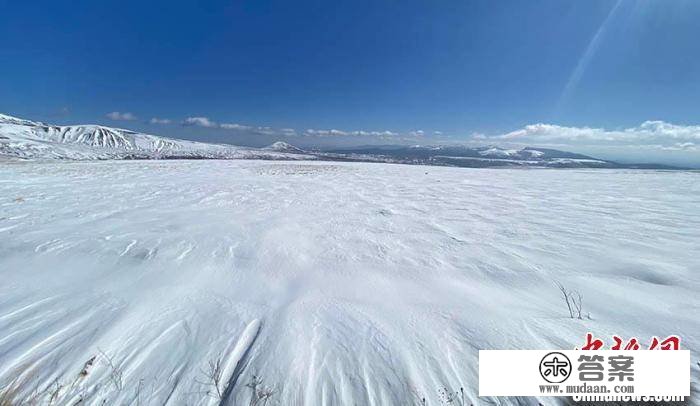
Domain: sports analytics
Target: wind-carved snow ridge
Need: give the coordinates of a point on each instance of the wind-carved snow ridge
(235, 359)
(27, 139)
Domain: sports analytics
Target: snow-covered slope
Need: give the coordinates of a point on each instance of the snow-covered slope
(28, 139)
(127, 282)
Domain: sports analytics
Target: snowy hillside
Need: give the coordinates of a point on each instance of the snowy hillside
(28, 139)
(177, 282)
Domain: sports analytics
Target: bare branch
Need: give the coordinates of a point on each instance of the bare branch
(213, 378)
(566, 294)
(116, 375)
(577, 300)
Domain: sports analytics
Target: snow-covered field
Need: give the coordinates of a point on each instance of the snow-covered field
(336, 284)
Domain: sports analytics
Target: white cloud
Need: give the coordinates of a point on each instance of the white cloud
(649, 133)
(199, 122)
(117, 116)
(156, 120)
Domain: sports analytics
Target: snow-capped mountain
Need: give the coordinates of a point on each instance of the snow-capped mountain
(281, 146)
(498, 152)
(31, 139)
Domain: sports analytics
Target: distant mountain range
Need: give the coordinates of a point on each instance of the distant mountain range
(26, 139)
(478, 157)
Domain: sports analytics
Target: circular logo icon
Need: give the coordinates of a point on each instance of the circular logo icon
(555, 367)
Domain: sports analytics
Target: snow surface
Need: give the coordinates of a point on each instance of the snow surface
(334, 283)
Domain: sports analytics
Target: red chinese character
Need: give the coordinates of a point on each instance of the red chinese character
(592, 344)
(670, 343)
(632, 344)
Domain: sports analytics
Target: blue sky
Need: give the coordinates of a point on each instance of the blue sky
(618, 78)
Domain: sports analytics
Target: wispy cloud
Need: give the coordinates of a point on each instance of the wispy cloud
(325, 133)
(199, 122)
(234, 126)
(341, 133)
(682, 146)
(117, 116)
(290, 132)
(260, 130)
(206, 122)
(156, 120)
